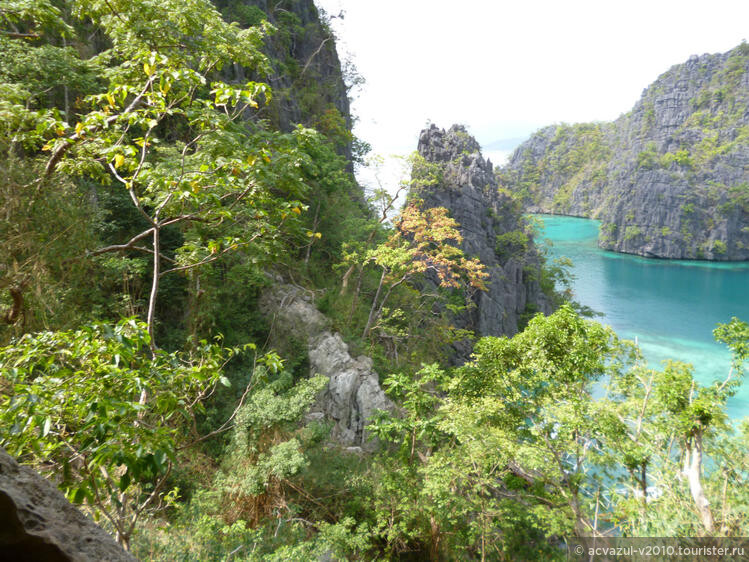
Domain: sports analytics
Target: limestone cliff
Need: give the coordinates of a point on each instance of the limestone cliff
(306, 74)
(668, 179)
(492, 228)
(353, 393)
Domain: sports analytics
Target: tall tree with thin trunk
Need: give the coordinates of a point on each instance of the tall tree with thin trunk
(184, 149)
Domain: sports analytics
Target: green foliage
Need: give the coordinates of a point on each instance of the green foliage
(719, 247)
(738, 199)
(501, 458)
(98, 410)
(263, 452)
(483, 453)
(462, 458)
(40, 17)
(198, 175)
(511, 244)
(577, 155)
(648, 158)
(424, 174)
(196, 536)
(632, 232)
(681, 157)
(261, 503)
(43, 235)
(202, 181)
(245, 15)
(49, 76)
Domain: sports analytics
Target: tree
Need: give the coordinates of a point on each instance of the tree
(182, 149)
(423, 241)
(517, 448)
(503, 459)
(103, 404)
(654, 415)
(383, 203)
(71, 406)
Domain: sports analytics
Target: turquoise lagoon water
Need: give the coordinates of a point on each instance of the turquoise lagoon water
(670, 307)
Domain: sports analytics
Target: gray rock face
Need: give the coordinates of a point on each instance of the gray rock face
(468, 189)
(38, 524)
(669, 179)
(353, 393)
(313, 83)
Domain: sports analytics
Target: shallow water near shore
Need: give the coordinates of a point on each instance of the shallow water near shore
(669, 306)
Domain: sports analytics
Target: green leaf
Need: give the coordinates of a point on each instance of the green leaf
(47, 426)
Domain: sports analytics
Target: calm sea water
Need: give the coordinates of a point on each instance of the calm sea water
(671, 307)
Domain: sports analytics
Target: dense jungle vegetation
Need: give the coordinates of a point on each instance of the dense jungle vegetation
(149, 196)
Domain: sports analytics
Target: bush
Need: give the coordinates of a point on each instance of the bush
(511, 244)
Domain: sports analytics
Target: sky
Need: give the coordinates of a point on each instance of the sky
(505, 69)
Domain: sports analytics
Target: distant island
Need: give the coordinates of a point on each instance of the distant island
(668, 179)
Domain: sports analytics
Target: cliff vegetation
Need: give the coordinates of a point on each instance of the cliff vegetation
(219, 346)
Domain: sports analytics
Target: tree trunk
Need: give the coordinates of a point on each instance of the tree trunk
(355, 298)
(66, 92)
(312, 238)
(434, 547)
(154, 286)
(373, 309)
(14, 312)
(581, 529)
(693, 470)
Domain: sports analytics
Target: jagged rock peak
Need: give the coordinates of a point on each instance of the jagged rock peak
(459, 156)
(438, 145)
(468, 189)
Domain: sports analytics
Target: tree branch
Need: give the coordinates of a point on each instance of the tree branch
(120, 247)
(63, 148)
(209, 259)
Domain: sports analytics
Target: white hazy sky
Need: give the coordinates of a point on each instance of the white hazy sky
(505, 69)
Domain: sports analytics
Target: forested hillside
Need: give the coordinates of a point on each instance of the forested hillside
(219, 346)
(667, 179)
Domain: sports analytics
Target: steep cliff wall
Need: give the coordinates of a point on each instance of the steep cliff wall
(492, 228)
(668, 179)
(306, 76)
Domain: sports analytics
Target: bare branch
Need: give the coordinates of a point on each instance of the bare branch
(181, 218)
(227, 424)
(14, 35)
(313, 55)
(211, 258)
(120, 247)
(133, 196)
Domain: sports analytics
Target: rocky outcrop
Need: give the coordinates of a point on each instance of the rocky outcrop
(353, 393)
(38, 524)
(492, 228)
(669, 179)
(306, 74)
